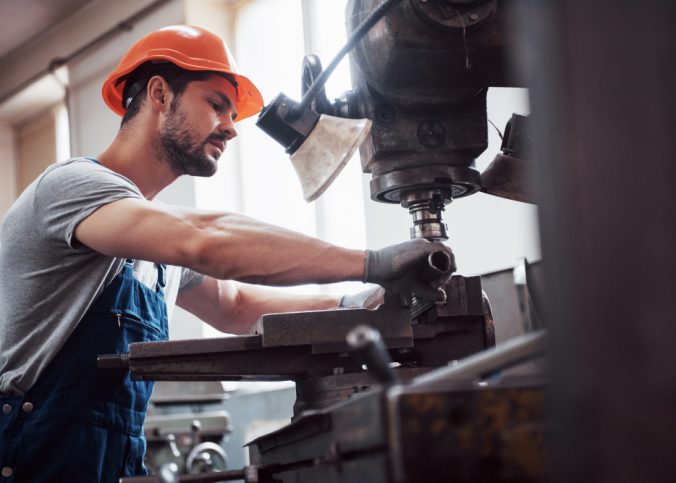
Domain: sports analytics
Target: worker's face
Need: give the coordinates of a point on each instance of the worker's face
(198, 126)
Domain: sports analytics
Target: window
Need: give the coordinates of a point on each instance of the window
(257, 173)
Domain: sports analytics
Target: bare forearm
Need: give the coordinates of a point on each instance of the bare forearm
(254, 301)
(223, 245)
(239, 248)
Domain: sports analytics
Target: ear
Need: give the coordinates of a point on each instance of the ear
(159, 93)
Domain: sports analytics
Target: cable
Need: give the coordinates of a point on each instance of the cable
(356, 36)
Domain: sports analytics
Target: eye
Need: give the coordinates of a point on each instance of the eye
(215, 105)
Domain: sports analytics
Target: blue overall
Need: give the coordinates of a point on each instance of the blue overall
(79, 423)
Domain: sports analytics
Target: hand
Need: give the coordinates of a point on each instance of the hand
(370, 299)
(409, 267)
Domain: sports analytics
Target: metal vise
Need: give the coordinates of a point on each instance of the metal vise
(310, 347)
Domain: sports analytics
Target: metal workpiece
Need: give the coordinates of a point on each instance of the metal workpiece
(437, 264)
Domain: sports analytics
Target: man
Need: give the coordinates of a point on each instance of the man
(84, 256)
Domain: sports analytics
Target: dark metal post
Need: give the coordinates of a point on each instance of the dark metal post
(603, 94)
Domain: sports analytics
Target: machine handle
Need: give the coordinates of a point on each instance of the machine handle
(113, 361)
(369, 345)
(168, 473)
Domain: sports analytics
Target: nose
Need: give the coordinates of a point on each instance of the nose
(227, 126)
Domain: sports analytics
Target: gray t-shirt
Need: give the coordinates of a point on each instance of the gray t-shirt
(47, 279)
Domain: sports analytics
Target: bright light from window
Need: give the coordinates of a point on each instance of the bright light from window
(270, 189)
(62, 132)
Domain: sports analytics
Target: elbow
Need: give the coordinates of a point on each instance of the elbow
(221, 305)
(238, 319)
(203, 253)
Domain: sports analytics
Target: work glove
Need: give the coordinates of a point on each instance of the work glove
(406, 268)
(370, 299)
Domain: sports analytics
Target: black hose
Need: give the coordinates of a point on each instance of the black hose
(356, 36)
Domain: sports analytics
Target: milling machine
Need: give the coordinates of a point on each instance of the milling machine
(421, 75)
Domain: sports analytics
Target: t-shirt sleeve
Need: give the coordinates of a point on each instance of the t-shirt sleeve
(190, 279)
(70, 192)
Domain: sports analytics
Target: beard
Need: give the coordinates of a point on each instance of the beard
(177, 144)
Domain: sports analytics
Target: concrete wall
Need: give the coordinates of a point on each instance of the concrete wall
(7, 168)
(64, 38)
(36, 146)
(93, 125)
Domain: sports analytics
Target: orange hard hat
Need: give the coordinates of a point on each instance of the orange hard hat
(191, 48)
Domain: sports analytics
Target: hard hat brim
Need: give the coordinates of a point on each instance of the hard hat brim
(249, 99)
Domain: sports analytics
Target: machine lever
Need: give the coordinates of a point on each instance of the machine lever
(113, 361)
(368, 344)
(168, 473)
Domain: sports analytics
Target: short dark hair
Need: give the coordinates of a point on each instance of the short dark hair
(177, 78)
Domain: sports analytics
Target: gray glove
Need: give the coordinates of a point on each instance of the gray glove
(370, 299)
(408, 268)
